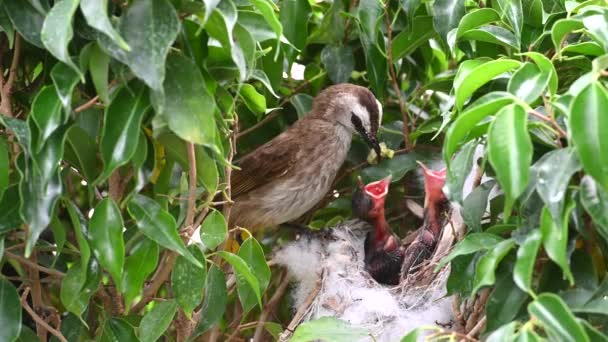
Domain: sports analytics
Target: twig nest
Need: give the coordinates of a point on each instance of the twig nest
(346, 291)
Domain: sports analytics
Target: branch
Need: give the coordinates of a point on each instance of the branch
(191, 187)
(34, 265)
(6, 92)
(87, 104)
(297, 318)
(270, 306)
(391, 69)
(550, 120)
(38, 319)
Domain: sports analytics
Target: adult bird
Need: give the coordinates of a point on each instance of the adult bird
(281, 180)
(382, 248)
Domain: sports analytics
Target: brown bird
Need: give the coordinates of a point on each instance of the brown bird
(435, 207)
(382, 247)
(284, 178)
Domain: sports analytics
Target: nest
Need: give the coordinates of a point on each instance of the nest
(329, 279)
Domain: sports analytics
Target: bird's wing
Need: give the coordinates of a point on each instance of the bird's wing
(268, 162)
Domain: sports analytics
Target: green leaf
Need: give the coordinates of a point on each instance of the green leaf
(26, 19)
(188, 281)
(512, 10)
(595, 22)
(458, 171)
(504, 333)
(545, 65)
(526, 258)
(4, 166)
(214, 230)
(155, 322)
(216, 297)
(474, 206)
(584, 48)
(57, 31)
(339, 61)
(10, 311)
(188, 110)
(79, 285)
(475, 19)
(244, 274)
(99, 65)
(369, 13)
(105, 238)
(447, 15)
(10, 219)
(138, 266)
(7, 26)
(595, 202)
(397, 167)
(84, 150)
(486, 267)
(116, 329)
(555, 241)
(553, 315)
(121, 127)
(158, 225)
(551, 185)
(252, 253)
(409, 40)
(255, 101)
(220, 26)
(467, 80)
(472, 243)
(510, 152)
(96, 14)
(505, 291)
(64, 79)
(47, 114)
(485, 106)
(528, 82)
(80, 230)
(266, 9)
(561, 29)
(328, 329)
(150, 34)
(294, 16)
(587, 123)
(492, 34)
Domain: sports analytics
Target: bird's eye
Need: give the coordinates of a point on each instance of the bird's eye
(356, 121)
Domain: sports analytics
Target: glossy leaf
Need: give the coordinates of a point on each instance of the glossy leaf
(528, 82)
(505, 290)
(339, 61)
(329, 329)
(7, 26)
(551, 185)
(99, 65)
(255, 101)
(595, 202)
(57, 31)
(116, 329)
(546, 66)
(447, 15)
(149, 35)
(10, 218)
(85, 150)
(486, 267)
(188, 281)
(96, 14)
(485, 106)
(595, 22)
(468, 81)
(590, 139)
(555, 317)
(407, 41)
(459, 169)
(510, 152)
(512, 10)
(492, 34)
(215, 300)
(294, 16)
(158, 225)
(10, 311)
(561, 28)
(504, 333)
(188, 110)
(47, 114)
(121, 127)
(105, 238)
(472, 243)
(155, 322)
(244, 274)
(138, 266)
(214, 230)
(26, 19)
(252, 253)
(4, 166)
(474, 206)
(526, 259)
(65, 79)
(555, 241)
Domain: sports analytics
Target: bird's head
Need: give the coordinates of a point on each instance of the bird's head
(368, 200)
(433, 184)
(353, 107)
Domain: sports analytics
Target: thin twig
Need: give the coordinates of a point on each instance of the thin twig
(191, 187)
(6, 106)
(87, 104)
(477, 328)
(270, 306)
(550, 120)
(34, 265)
(302, 310)
(39, 319)
(394, 81)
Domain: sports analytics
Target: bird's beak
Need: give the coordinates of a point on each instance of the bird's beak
(379, 189)
(433, 183)
(372, 141)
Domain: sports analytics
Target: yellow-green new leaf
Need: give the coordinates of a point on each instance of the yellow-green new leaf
(468, 81)
(510, 152)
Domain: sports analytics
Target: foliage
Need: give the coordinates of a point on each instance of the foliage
(121, 120)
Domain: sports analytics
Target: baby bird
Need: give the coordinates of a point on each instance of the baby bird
(383, 250)
(284, 178)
